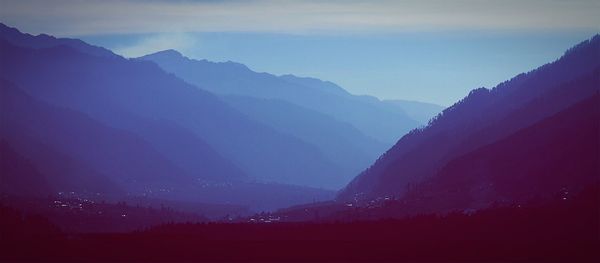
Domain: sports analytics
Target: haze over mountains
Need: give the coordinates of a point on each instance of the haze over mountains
(352, 131)
(167, 128)
(155, 143)
(91, 121)
(366, 113)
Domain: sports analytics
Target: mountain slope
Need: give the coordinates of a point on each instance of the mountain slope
(340, 142)
(19, 176)
(371, 117)
(483, 117)
(558, 154)
(121, 156)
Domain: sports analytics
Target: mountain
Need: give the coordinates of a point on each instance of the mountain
(340, 142)
(139, 97)
(482, 118)
(369, 115)
(558, 154)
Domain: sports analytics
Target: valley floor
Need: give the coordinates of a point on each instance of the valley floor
(558, 231)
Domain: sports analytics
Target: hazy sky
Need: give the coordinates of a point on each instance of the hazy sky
(432, 51)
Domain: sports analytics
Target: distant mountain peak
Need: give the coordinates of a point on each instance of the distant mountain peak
(170, 53)
(174, 56)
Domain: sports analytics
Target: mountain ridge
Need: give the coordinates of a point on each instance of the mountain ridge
(366, 114)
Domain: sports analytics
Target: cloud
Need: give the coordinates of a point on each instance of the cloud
(158, 42)
(76, 17)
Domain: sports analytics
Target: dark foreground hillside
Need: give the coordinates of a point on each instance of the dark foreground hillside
(557, 231)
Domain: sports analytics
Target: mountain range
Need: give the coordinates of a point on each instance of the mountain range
(91, 121)
(350, 130)
(165, 128)
(368, 114)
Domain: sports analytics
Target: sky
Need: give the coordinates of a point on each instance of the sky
(432, 51)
